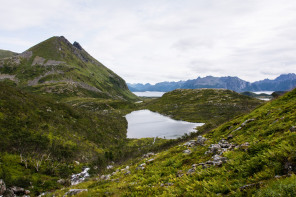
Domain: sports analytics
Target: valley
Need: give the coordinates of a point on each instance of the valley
(63, 114)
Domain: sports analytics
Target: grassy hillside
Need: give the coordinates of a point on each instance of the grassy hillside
(211, 106)
(36, 130)
(252, 155)
(6, 53)
(61, 70)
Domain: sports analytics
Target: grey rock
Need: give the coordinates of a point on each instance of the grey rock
(180, 173)
(245, 145)
(200, 140)
(150, 160)
(247, 121)
(257, 185)
(217, 163)
(61, 181)
(187, 151)
(73, 192)
(17, 190)
(77, 45)
(38, 61)
(9, 193)
(26, 54)
(2, 187)
(293, 128)
(239, 128)
(190, 171)
(106, 177)
(80, 177)
(127, 172)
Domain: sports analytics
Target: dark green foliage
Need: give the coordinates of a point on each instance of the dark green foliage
(265, 167)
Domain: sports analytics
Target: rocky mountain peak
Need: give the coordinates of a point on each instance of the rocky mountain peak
(77, 45)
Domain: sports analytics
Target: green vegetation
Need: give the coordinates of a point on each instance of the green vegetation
(60, 70)
(42, 140)
(61, 110)
(211, 106)
(40, 135)
(6, 53)
(261, 161)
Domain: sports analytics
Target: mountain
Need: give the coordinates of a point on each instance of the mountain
(59, 69)
(231, 83)
(6, 53)
(251, 155)
(282, 83)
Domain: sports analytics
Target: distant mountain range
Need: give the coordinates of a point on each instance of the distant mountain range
(282, 83)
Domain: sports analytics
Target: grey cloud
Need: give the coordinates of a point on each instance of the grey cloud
(157, 40)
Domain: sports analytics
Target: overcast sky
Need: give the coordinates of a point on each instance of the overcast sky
(163, 40)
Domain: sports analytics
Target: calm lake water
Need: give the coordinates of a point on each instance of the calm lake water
(264, 92)
(144, 123)
(149, 94)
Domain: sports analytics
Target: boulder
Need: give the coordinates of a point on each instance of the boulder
(150, 160)
(147, 155)
(247, 121)
(190, 171)
(239, 128)
(179, 173)
(9, 193)
(200, 140)
(187, 151)
(61, 181)
(18, 190)
(2, 187)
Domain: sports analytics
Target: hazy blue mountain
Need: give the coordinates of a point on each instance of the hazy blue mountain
(282, 83)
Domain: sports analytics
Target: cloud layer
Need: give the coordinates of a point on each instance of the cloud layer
(164, 40)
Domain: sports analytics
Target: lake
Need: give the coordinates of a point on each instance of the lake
(149, 94)
(145, 123)
(264, 92)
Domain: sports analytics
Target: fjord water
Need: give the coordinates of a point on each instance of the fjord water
(145, 123)
(149, 94)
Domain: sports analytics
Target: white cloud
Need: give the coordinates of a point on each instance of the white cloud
(152, 41)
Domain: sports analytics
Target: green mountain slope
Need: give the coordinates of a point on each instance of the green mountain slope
(211, 106)
(252, 155)
(41, 139)
(6, 53)
(61, 70)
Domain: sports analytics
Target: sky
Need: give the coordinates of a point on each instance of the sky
(163, 40)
